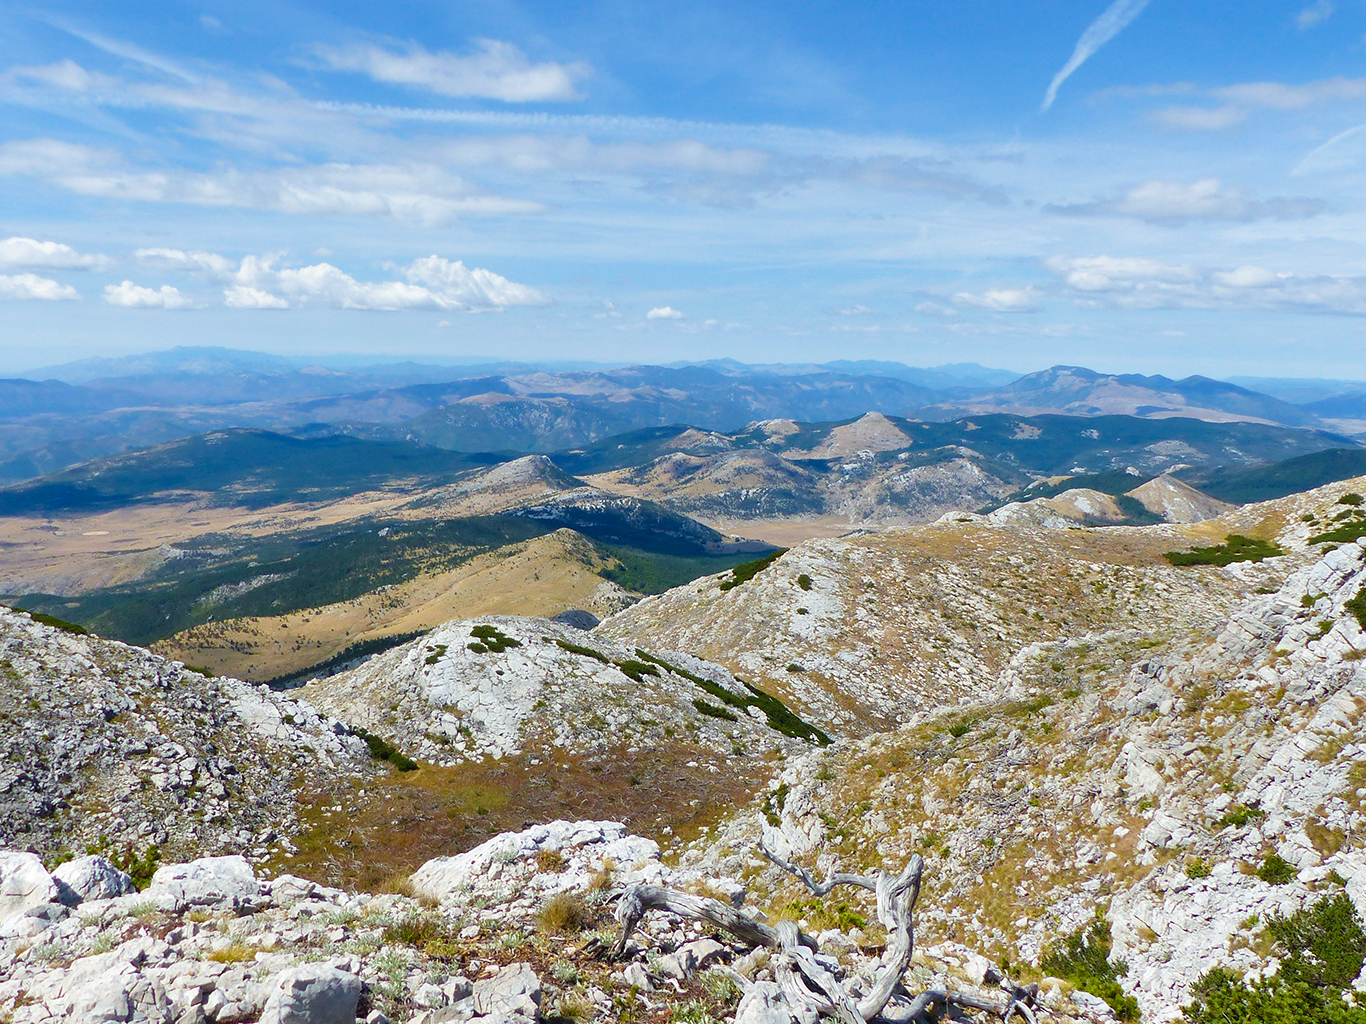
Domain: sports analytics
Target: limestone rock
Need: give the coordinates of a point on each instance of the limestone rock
(24, 883)
(313, 994)
(210, 881)
(93, 878)
(513, 991)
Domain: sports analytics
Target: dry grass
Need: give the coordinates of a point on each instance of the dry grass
(550, 862)
(234, 954)
(564, 913)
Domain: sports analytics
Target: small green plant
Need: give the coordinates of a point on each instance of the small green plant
(794, 668)
(437, 653)
(201, 670)
(1238, 816)
(1083, 958)
(1197, 867)
(1276, 870)
(1236, 548)
(804, 581)
(960, 728)
(585, 652)
(748, 570)
(774, 801)
(636, 670)
(1350, 498)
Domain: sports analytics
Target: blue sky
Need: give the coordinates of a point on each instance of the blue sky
(631, 181)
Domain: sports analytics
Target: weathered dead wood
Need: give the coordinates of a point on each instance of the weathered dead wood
(806, 983)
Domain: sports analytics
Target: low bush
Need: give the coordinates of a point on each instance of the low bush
(382, 750)
(712, 711)
(1276, 870)
(1083, 958)
(491, 639)
(804, 581)
(56, 623)
(1321, 950)
(747, 571)
(1236, 548)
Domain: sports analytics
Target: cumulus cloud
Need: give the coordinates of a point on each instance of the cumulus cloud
(495, 71)
(31, 286)
(1320, 10)
(134, 296)
(431, 282)
(664, 313)
(1139, 283)
(1113, 20)
(1173, 202)
(998, 300)
(33, 254)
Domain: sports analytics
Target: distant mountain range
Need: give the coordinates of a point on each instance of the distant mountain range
(96, 408)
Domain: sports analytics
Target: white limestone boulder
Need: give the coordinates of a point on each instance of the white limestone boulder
(92, 878)
(313, 994)
(210, 881)
(24, 884)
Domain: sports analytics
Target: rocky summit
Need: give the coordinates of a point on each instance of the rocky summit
(1109, 773)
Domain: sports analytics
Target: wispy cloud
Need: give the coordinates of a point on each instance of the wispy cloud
(35, 255)
(1320, 10)
(1113, 21)
(998, 300)
(1239, 101)
(496, 70)
(1140, 283)
(31, 286)
(1175, 203)
(664, 313)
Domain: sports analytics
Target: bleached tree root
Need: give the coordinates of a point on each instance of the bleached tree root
(808, 986)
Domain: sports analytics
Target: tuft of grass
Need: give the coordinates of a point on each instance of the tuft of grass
(564, 913)
(237, 953)
(1236, 548)
(550, 862)
(1197, 867)
(747, 571)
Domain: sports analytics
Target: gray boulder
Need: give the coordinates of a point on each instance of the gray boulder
(92, 878)
(122, 994)
(209, 881)
(313, 994)
(515, 991)
(577, 618)
(24, 883)
(763, 1004)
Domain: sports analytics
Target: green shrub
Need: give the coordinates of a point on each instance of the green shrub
(1277, 870)
(437, 653)
(1239, 815)
(1236, 548)
(492, 639)
(55, 623)
(382, 750)
(140, 867)
(1321, 949)
(747, 571)
(713, 711)
(1083, 958)
(804, 581)
(1197, 867)
(586, 652)
(636, 669)
(1357, 606)
(1350, 498)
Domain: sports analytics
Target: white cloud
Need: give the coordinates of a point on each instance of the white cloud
(1320, 10)
(1111, 22)
(31, 286)
(998, 300)
(855, 310)
(1174, 202)
(1137, 283)
(1199, 119)
(29, 252)
(135, 296)
(242, 297)
(664, 313)
(496, 71)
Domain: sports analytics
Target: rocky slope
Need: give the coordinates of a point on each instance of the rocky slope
(1188, 778)
(109, 746)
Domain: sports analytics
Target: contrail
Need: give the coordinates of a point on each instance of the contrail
(1100, 32)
